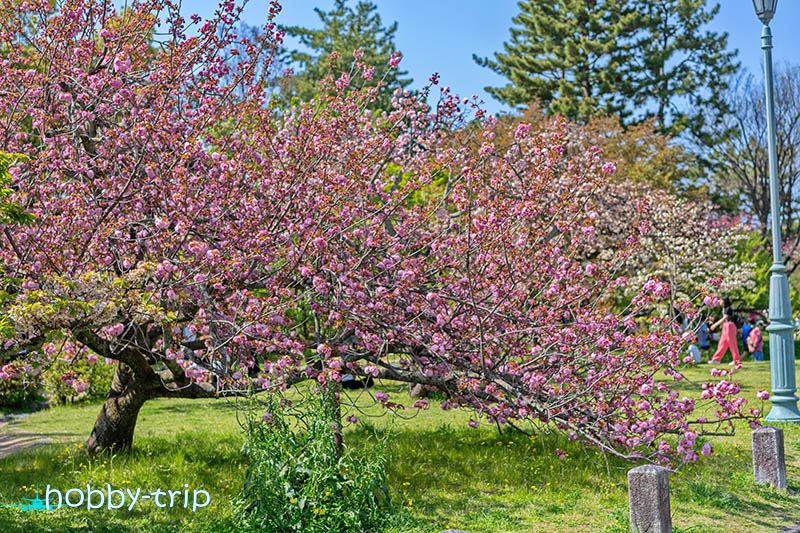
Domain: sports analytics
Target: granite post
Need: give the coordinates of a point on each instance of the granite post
(648, 494)
(769, 463)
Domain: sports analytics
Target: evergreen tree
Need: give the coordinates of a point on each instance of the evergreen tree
(679, 68)
(344, 29)
(639, 59)
(566, 54)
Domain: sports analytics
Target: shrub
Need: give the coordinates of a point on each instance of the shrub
(17, 392)
(75, 379)
(297, 482)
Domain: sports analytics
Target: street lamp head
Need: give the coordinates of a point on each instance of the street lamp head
(765, 9)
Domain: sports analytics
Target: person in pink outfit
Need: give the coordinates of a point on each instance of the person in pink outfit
(756, 342)
(727, 340)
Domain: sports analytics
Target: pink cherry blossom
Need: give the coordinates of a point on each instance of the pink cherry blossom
(322, 238)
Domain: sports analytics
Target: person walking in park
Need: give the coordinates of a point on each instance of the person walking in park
(748, 325)
(682, 324)
(755, 342)
(727, 340)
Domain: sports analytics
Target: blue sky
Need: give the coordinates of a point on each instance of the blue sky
(441, 35)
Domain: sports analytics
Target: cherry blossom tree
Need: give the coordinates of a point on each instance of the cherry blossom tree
(212, 245)
(693, 247)
(689, 243)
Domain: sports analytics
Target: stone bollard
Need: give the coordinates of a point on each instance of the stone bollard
(648, 494)
(769, 464)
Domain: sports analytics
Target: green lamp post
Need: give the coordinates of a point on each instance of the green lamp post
(781, 327)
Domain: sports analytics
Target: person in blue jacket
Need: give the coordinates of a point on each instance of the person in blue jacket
(746, 328)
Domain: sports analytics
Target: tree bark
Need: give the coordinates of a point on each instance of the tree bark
(115, 424)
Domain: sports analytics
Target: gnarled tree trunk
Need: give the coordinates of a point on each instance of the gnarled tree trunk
(113, 429)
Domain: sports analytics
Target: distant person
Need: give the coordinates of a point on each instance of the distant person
(797, 327)
(682, 324)
(727, 339)
(746, 327)
(694, 351)
(703, 332)
(755, 342)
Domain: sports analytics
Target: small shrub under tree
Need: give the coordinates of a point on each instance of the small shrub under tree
(300, 481)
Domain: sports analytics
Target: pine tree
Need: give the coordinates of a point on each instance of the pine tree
(639, 59)
(566, 54)
(679, 67)
(344, 29)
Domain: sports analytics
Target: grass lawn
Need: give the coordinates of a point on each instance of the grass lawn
(442, 474)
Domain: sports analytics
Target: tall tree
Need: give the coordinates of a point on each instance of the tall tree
(742, 162)
(189, 253)
(565, 54)
(345, 29)
(677, 67)
(641, 153)
(635, 58)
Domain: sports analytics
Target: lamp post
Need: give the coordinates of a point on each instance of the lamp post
(781, 327)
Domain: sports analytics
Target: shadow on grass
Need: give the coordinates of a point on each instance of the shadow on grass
(705, 493)
(221, 406)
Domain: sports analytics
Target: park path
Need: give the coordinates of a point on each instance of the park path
(13, 441)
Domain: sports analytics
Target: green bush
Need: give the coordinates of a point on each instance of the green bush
(297, 482)
(16, 393)
(98, 376)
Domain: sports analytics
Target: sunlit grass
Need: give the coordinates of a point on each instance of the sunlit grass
(442, 475)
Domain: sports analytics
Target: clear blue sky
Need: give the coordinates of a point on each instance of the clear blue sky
(441, 35)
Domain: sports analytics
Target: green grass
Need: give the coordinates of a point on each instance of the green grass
(442, 473)
(177, 442)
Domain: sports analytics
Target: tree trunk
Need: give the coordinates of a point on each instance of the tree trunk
(113, 429)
